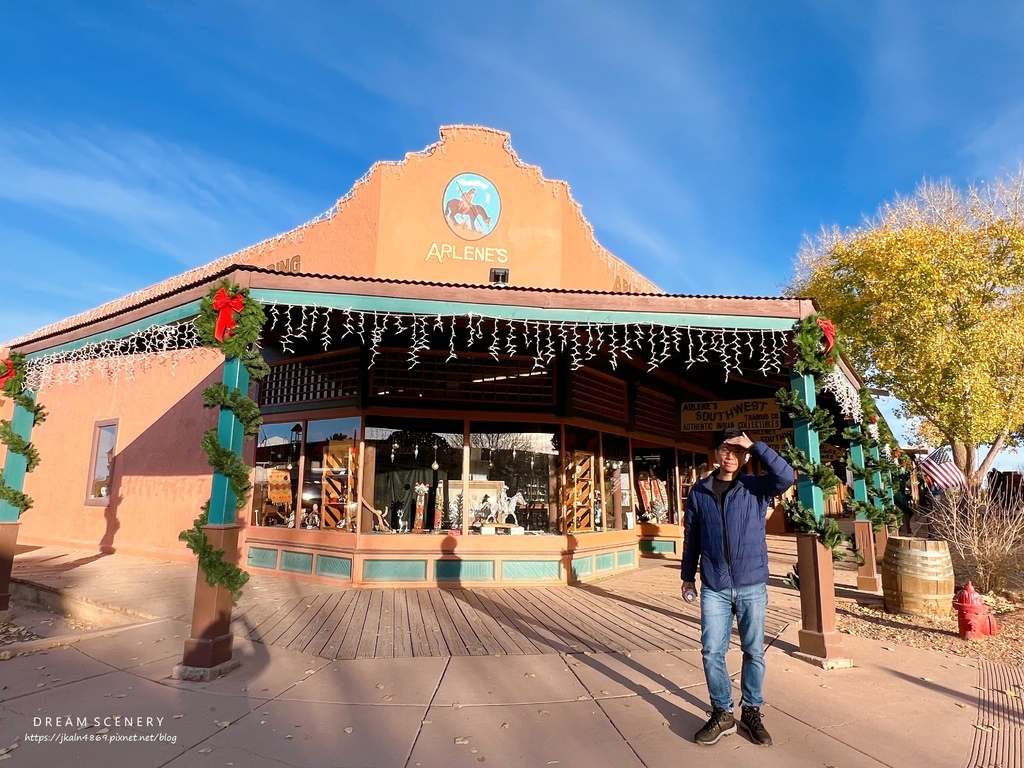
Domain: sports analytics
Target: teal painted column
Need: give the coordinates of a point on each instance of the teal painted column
(860, 486)
(230, 434)
(876, 478)
(15, 465)
(806, 439)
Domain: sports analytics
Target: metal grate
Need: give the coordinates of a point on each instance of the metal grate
(599, 395)
(312, 380)
(656, 412)
(471, 378)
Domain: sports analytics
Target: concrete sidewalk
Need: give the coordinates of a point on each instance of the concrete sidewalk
(899, 707)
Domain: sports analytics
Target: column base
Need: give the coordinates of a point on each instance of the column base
(821, 645)
(210, 641)
(869, 583)
(818, 661)
(204, 674)
(868, 578)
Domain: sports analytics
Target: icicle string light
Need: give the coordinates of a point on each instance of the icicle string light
(654, 343)
(112, 358)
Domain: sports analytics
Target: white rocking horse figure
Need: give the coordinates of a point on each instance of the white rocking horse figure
(503, 507)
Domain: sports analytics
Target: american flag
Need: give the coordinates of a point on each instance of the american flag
(941, 470)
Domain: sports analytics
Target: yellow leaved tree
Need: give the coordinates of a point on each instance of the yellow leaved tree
(929, 296)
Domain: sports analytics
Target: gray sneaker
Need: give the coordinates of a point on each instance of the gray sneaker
(751, 722)
(721, 723)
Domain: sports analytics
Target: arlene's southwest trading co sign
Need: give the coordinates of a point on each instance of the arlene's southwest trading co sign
(748, 415)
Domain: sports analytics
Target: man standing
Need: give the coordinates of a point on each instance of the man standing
(725, 533)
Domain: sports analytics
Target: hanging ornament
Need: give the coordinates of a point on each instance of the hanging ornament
(394, 447)
(435, 466)
(416, 451)
(226, 306)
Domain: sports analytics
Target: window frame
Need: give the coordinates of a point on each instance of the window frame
(101, 501)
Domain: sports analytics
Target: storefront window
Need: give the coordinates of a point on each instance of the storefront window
(330, 475)
(414, 467)
(654, 477)
(276, 476)
(513, 481)
(616, 499)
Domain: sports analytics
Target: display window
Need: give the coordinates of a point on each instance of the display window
(513, 478)
(616, 499)
(276, 474)
(330, 476)
(414, 468)
(654, 469)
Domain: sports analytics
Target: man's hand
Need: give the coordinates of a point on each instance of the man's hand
(688, 586)
(742, 441)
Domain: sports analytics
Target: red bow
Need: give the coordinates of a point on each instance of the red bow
(830, 332)
(7, 374)
(226, 305)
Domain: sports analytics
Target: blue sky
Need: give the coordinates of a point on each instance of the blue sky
(703, 140)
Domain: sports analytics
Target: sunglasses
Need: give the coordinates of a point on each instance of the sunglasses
(734, 450)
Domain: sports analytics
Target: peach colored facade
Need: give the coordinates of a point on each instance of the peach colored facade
(391, 226)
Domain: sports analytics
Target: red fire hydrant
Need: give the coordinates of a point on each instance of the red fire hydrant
(972, 616)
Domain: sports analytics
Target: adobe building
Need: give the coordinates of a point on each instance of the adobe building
(465, 388)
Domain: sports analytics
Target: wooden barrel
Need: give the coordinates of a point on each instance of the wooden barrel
(917, 576)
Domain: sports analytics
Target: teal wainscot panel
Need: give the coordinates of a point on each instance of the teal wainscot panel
(336, 567)
(605, 562)
(627, 558)
(658, 547)
(464, 570)
(394, 570)
(531, 570)
(296, 562)
(261, 557)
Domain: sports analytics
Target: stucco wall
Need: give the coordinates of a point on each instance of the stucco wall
(161, 477)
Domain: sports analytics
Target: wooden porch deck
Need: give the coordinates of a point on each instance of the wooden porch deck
(638, 611)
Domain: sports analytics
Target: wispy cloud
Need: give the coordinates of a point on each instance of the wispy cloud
(130, 187)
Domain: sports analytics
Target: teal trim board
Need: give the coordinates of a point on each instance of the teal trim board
(162, 318)
(626, 558)
(394, 570)
(296, 562)
(531, 570)
(464, 570)
(335, 567)
(582, 566)
(260, 557)
(362, 303)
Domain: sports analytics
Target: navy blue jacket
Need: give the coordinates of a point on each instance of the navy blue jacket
(745, 562)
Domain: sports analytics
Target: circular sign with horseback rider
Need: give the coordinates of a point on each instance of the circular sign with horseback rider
(471, 206)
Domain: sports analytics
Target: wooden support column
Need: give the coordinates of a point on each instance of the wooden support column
(15, 469)
(868, 578)
(819, 642)
(208, 650)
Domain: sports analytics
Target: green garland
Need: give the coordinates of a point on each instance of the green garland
(819, 418)
(242, 342)
(821, 475)
(827, 530)
(244, 408)
(14, 388)
(211, 560)
(809, 339)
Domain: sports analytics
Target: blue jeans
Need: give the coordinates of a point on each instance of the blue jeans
(716, 612)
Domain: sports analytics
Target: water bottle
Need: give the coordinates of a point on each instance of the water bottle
(690, 595)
